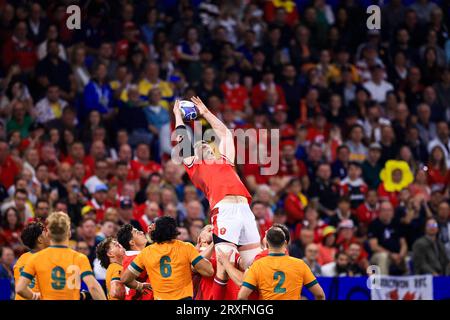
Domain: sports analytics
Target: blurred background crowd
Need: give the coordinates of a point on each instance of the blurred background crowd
(85, 122)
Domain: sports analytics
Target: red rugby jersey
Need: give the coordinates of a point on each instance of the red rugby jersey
(216, 180)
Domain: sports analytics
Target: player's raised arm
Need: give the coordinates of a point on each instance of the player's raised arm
(226, 144)
(182, 135)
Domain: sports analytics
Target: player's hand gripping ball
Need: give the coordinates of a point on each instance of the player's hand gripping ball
(188, 110)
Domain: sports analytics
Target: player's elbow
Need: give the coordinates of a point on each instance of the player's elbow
(319, 294)
(125, 278)
(21, 291)
(242, 296)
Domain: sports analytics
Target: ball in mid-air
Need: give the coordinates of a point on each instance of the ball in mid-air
(188, 110)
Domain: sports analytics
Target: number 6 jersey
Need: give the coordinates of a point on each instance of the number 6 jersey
(168, 266)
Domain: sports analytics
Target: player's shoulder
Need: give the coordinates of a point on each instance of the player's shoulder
(114, 267)
(184, 244)
(190, 162)
(24, 258)
(299, 264)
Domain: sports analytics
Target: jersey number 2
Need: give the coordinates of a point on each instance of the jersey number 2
(280, 277)
(165, 267)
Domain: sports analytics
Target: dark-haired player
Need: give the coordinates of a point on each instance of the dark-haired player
(133, 241)
(35, 237)
(168, 263)
(110, 254)
(279, 276)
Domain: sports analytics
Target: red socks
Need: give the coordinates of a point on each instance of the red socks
(219, 289)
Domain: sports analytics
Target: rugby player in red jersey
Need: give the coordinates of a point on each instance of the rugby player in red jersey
(205, 288)
(234, 224)
(133, 241)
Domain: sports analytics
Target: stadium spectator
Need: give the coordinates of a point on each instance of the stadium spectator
(6, 267)
(340, 267)
(386, 241)
(429, 254)
(327, 246)
(311, 253)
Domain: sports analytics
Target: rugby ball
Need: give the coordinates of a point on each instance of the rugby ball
(188, 110)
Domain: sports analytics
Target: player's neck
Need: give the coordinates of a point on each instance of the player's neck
(136, 248)
(116, 260)
(281, 250)
(59, 244)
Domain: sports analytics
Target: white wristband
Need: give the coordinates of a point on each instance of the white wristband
(36, 296)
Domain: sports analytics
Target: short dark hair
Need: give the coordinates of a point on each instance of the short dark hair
(20, 190)
(287, 233)
(275, 237)
(254, 203)
(41, 200)
(31, 233)
(125, 235)
(165, 230)
(102, 252)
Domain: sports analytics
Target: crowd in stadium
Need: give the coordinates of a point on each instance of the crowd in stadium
(86, 118)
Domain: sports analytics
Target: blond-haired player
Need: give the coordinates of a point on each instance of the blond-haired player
(58, 269)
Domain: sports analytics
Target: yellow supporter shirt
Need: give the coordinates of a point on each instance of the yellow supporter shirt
(168, 266)
(279, 277)
(18, 268)
(59, 271)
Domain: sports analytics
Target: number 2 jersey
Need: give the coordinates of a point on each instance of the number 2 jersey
(279, 277)
(168, 266)
(59, 271)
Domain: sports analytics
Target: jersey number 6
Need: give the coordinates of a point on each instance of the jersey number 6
(164, 267)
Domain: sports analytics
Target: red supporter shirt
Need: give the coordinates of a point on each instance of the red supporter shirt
(437, 180)
(366, 214)
(131, 294)
(216, 180)
(21, 53)
(392, 197)
(259, 93)
(88, 162)
(235, 95)
(8, 172)
(150, 167)
(294, 208)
